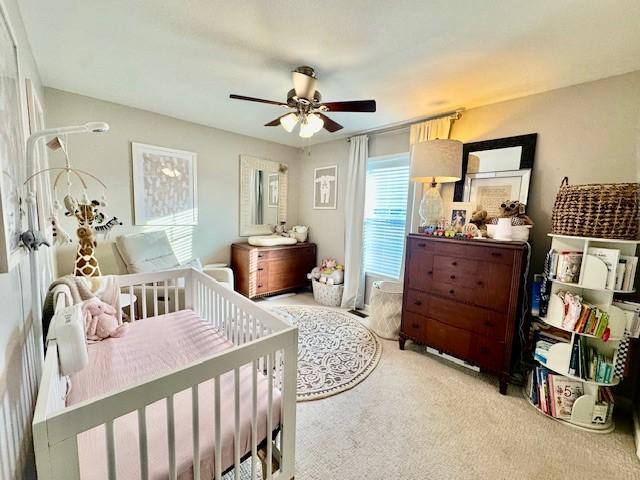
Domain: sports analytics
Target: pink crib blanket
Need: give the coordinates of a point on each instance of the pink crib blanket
(154, 346)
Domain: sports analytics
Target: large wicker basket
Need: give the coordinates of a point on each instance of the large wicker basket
(597, 210)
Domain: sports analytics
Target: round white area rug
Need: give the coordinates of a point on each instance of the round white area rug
(335, 351)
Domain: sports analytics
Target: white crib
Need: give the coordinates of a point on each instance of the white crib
(259, 338)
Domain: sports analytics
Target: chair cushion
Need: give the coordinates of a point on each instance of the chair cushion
(147, 252)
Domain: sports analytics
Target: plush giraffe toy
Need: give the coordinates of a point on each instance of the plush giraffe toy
(86, 212)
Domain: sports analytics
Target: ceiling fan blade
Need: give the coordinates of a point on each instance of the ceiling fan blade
(259, 100)
(352, 106)
(276, 122)
(329, 124)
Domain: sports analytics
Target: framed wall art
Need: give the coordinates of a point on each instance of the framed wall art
(164, 186)
(325, 188)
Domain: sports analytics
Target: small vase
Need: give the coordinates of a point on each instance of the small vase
(503, 230)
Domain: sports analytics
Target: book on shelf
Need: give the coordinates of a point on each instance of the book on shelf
(568, 268)
(626, 276)
(631, 311)
(582, 317)
(589, 364)
(610, 258)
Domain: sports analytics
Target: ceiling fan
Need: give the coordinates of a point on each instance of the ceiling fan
(305, 100)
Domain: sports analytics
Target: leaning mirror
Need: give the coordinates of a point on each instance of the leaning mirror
(496, 170)
(263, 195)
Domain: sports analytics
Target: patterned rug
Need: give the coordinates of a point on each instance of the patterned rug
(335, 351)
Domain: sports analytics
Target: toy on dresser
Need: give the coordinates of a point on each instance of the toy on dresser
(515, 210)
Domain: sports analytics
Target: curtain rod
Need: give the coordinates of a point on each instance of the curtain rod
(454, 114)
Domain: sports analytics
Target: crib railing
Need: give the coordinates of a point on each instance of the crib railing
(260, 339)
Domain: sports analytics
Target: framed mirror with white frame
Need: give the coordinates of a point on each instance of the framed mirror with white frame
(496, 170)
(263, 195)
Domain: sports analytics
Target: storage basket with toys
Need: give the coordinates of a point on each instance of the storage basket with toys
(327, 281)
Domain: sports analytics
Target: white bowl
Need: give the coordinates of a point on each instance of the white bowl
(520, 233)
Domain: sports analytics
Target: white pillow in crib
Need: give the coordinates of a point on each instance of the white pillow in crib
(69, 333)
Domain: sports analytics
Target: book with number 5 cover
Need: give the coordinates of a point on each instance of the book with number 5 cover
(565, 391)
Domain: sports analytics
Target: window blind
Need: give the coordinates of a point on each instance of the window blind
(387, 188)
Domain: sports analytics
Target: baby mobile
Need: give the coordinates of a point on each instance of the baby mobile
(89, 213)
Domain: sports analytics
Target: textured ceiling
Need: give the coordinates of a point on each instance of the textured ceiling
(183, 57)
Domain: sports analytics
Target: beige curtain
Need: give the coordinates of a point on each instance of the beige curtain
(421, 132)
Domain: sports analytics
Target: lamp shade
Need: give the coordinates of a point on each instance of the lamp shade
(437, 161)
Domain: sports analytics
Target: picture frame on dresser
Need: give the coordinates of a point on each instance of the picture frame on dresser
(493, 169)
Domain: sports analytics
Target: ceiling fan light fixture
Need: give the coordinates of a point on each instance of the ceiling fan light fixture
(315, 122)
(289, 121)
(306, 129)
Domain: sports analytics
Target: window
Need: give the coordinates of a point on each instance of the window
(385, 214)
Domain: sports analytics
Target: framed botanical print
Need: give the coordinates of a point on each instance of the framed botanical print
(12, 160)
(164, 186)
(325, 188)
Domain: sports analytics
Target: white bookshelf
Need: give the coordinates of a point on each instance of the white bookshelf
(592, 288)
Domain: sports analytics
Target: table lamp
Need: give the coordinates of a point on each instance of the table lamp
(433, 162)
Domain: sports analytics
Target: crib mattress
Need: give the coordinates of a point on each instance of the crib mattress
(154, 346)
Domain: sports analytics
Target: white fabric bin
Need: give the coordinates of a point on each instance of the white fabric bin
(329, 295)
(385, 308)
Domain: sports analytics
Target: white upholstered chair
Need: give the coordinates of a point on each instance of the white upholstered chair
(152, 251)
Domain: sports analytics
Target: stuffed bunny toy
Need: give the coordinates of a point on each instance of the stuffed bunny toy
(101, 321)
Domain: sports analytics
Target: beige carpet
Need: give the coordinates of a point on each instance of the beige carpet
(419, 417)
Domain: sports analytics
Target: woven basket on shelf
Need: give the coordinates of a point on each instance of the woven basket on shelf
(597, 210)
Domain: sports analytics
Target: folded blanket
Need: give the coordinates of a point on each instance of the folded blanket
(106, 288)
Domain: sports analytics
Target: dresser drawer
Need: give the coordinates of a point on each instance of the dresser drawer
(473, 319)
(454, 270)
(454, 292)
(465, 345)
(414, 326)
(416, 301)
(419, 268)
(476, 252)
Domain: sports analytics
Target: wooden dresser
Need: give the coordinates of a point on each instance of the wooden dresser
(461, 297)
(262, 271)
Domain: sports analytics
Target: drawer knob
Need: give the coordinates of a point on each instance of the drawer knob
(422, 245)
(415, 325)
(259, 286)
(452, 292)
(480, 282)
(430, 272)
(417, 302)
(260, 269)
(488, 323)
(496, 254)
(484, 350)
(454, 263)
(259, 255)
(452, 277)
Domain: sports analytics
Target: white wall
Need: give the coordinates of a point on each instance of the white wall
(19, 358)
(588, 132)
(109, 157)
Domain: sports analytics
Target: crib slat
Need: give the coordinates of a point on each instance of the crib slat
(171, 438)
(144, 300)
(218, 432)
(269, 415)
(196, 431)
(254, 420)
(236, 435)
(142, 441)
(155, 299)
(111, 451)
(176, 303)
(132, 312)
(166, 296)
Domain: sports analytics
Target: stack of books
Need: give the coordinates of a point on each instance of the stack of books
(582, 317)
(565, 266)
(555, 395)
(587, 363)
(632, 313)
